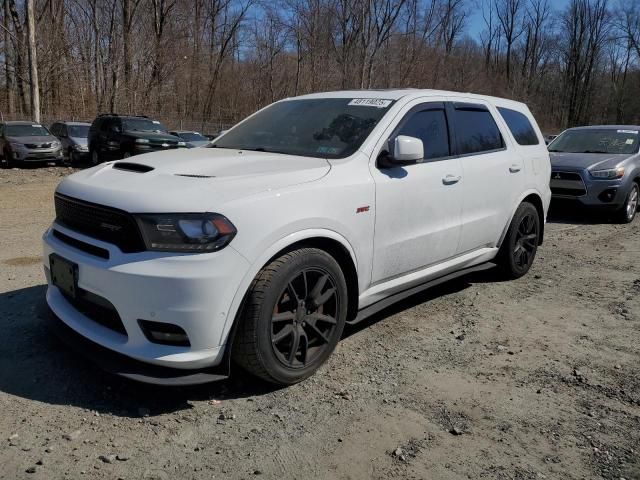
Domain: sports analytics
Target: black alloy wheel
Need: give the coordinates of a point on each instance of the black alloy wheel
(519, 247)
(293, 317)
(305, 318)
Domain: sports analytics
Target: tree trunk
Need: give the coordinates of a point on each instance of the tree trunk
(7, 59)
(33, 63)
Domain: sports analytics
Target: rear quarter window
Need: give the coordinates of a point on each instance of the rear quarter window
(520, 126)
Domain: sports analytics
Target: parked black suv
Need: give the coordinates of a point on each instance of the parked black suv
(114, 136)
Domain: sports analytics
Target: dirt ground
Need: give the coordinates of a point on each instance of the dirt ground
(530, 379)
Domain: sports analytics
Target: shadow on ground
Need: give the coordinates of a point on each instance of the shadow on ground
(36, 365)
(573, 213)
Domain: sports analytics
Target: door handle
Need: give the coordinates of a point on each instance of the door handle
(451, 179)
(514, 168)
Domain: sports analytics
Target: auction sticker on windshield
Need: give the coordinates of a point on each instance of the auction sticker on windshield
(633, 132)
(370, 102)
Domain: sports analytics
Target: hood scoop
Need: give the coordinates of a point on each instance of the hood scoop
(193, 175)
(132, 167)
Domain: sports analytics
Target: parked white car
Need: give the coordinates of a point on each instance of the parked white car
(314, 212)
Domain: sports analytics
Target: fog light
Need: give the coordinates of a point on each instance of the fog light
(164, 333)
(608, 195)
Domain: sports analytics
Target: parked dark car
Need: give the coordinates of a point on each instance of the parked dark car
(27, 143)
(193, 139)
(598, 167)
(114, 136)
(74, 137)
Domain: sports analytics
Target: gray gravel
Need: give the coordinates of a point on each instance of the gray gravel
(530, 379)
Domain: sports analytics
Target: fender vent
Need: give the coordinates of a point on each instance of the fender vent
(132, 167)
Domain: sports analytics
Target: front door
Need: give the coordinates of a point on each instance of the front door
(418, 207)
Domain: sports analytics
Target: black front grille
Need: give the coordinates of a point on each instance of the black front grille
(103, 223)
(567, 184)
(98, 309)
(38, 145)
(80, 245)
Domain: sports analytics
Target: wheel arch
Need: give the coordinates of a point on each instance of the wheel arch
(327, 240)
(535, 199)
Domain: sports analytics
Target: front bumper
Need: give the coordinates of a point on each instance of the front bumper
(37, 155)
(124, 366)
(193, 292)
(578, 185)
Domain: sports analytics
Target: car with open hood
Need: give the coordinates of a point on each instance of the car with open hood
(598, 167)
(314, 212)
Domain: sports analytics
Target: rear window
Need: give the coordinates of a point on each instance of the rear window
(520, 126)
(476, 130)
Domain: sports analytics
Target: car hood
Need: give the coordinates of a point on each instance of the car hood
(33, 139)
(79, 141)
(151, 135)
(199, 179)
(585, 160)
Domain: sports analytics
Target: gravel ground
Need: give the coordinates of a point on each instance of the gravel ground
(529, 379)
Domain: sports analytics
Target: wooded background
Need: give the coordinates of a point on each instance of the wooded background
(204, 64)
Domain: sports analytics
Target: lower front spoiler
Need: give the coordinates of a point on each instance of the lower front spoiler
(128, 367)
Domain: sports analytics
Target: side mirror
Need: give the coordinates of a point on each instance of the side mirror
(407, 150)
(404, 150)
(115, 129)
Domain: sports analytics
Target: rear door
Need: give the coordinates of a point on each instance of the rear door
(493, 173)
(418, 206)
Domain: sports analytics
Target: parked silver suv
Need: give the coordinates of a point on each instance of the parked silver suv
(599, 167)
(28, 142)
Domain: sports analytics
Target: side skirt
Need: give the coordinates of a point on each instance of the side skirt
(396, 297)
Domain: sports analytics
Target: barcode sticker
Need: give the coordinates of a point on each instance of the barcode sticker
(370, 102)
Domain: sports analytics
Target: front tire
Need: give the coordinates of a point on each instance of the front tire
(95, 157)
(628, 211)
(520, 244)
(293, 317)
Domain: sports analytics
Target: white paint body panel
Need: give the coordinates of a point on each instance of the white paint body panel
(415, 228)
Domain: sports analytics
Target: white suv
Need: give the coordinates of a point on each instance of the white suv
(314, 212)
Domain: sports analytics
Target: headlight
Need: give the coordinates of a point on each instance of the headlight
(55, 144)
(186, 232)
(608, 174)
(142, 140)
(17, 146)
(182, 144)
(80, 148)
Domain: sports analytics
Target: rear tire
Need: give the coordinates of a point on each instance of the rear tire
(627, 213)
(293, 317)
(520, 244)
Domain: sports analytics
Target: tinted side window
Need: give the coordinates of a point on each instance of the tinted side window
(430, 126)
(476, 130)
(520, 126)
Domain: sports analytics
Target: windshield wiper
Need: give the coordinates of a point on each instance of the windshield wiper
(554, 150)
(595, 151)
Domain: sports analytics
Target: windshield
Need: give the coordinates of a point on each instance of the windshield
(324, 128)
(79, 131)
(143, 125)
(192, 137)
(592, 140)
(34, 130)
